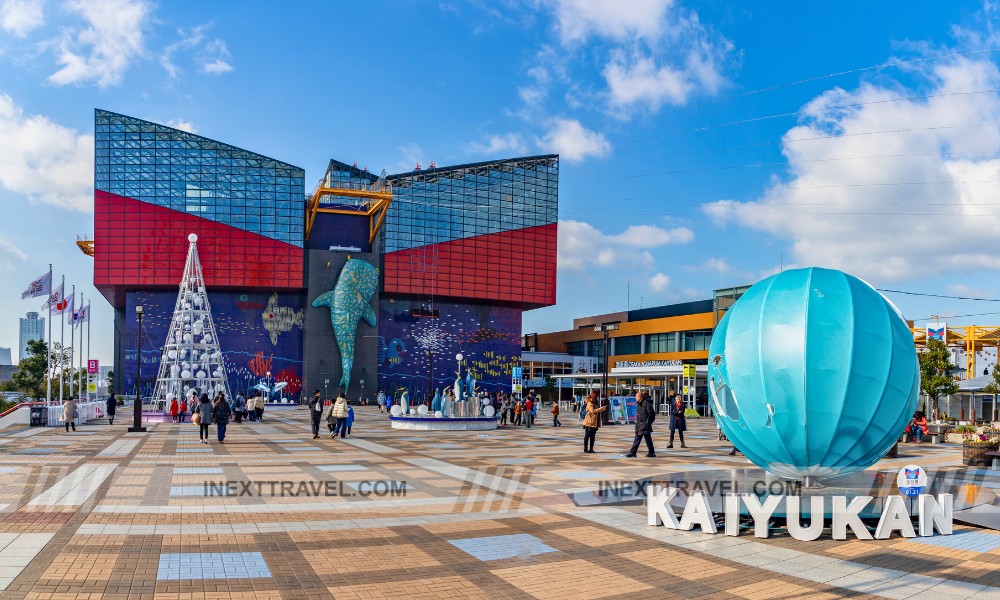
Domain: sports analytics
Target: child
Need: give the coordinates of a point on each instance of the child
(350, 419)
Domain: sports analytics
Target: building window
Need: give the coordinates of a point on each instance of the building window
(631, 344)
(576, 348)
(692, 341)
(661, 342)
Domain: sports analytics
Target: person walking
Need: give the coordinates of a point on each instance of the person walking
(645, 414)
(112, 407)
(69, 414)
(517, 411)
(182, 410)
(555, 415)
(337, 415)
(350, 421)
(239, 406)
(504, 409)
(528, 406)
(591, 422)
(174, 407)
(315, 412)
(204, 410)
(260, 408)
(678, 422)
(220, 414)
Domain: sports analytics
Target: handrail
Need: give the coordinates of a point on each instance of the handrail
(17, 406)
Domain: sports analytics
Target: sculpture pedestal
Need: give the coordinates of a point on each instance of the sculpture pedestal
(417, 423)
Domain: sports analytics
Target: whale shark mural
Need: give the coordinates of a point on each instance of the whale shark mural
(350, 302)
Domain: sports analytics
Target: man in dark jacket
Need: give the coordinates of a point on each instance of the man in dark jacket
(315, 412)
(112, 407)
(220, 415)
(645, 414)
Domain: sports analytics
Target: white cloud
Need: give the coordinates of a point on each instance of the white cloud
(504, 143)
(103, 49)
(211, 56)
(46, 162)
(719, 265)
(581, 245)
(412, 155)
(573, 142)
(9, 253)
(183, 125)
(839, 213)
(651, 236)
(21, 17)
(579, 20)
(967, 291)
(659, 282)
(657, 51)
(215, 58)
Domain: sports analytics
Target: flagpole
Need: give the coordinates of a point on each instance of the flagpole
(79, 359)
(72, 340)
(88, 355)
(62, 342)
(48, 345)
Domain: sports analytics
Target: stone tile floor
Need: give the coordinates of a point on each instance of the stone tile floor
(274, 514)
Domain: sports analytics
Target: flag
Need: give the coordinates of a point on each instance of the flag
(39, 287)
(62, 306)
(84, 314)
(54, 299)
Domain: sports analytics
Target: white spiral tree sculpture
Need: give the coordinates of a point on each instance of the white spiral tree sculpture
(192, 360)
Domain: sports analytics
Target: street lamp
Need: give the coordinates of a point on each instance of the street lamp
(459, 357)
(430, 378)
(137, 405)
(268, 386)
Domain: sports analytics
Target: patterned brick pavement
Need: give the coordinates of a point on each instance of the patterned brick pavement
(108, 514)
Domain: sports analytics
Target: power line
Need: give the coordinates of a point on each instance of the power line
(894, 64)
(942, 296)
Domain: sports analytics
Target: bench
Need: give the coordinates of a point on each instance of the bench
(936, 433)
(996, 460)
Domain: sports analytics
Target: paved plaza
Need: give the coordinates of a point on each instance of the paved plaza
(102, 513)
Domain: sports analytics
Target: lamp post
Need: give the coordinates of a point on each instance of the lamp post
(430, 375)
(606, 328)
(268, 386)
(461, 390)
(137, 405)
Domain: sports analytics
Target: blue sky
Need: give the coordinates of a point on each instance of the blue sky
(703, 145)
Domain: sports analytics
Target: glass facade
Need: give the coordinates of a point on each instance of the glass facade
(441, 205)
(195, 175)
(155, 185)
(631, 344)
(577, 348)
(696, 340)
(661, 342)
(485, 231)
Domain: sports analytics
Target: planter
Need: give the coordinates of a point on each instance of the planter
(974, 455)
(953, 438)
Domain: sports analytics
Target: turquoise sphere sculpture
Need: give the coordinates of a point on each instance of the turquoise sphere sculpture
(813, 374)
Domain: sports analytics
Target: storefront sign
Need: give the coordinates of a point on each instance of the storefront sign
(629, 364)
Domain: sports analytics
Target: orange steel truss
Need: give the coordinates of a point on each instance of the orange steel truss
(971, 338)
(372, 200)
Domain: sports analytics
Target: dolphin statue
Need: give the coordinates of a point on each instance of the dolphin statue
(350, 302)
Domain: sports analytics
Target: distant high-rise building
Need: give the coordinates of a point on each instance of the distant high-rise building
(5, 357)
(32, 328)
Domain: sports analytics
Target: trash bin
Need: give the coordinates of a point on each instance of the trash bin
(39, 416)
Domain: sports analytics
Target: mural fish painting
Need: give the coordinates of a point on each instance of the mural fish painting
(279, 319)
(350, 302)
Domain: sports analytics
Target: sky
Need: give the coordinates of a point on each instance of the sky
(702, 145)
